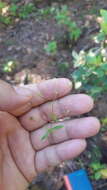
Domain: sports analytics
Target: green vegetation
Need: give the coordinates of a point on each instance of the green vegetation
(51, 48)
(88, 67)
(47, 12)
(63, 18)
(26, 10)
(99, 170)
(9, 66)
(90, 73)
(8, 13)
(51, 130)
(103, 23)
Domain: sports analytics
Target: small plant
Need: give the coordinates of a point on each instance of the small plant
(47, 11)
(51, 130)
(4, 17)
(104, 125)
(99, 170)
(63, 18)
(5, 20)
(25, 10)
(13, 9)
(9, 66)
(104, 121)
(51, 48)
(9, 12)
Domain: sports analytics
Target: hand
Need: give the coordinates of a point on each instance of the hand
(26, 114)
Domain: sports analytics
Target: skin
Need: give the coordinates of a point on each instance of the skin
(25, 115)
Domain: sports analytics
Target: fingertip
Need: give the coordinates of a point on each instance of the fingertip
(84, 102)
(84, 143)
(67, 84)
(80, 144)
(89, 100)
(96, 125)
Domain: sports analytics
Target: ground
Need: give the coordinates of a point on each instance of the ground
(23, 43)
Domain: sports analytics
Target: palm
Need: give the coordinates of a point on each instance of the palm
(13, 157)
(23, 153)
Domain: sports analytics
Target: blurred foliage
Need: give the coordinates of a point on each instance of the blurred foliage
(9, 66)
(99, 170)
(63, 18)
(90, 73)
(51, 48)
(104, 124)
(8, 12)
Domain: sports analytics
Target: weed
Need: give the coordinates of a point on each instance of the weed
(99, 170)
(47, 11)
(104, 124)
(13, 9)
(63, 18)
(9, 66)
(26, 10)
(9, 12)
(63, 66)
(51, 48)
(49, 131)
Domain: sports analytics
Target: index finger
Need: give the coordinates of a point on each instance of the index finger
(49, 90)
(43, 92)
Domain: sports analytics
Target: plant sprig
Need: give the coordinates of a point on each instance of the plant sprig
(49, 131)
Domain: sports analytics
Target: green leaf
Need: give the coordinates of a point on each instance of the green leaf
(95, 91)
(101, 37)
(104, 14)
(103, 24)
(92, 58)
(49, 131)
(78, 74)
(95, 166)
(57, 127)
(51, 47)
(13, 8)
(54, 128)
(104, 27)
(44, 136)
(97, 175)
(2, 5)
(99, 72)
(103, 173)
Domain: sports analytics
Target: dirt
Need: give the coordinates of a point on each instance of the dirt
(24, 44)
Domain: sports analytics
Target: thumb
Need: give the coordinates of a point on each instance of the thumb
(14, 100)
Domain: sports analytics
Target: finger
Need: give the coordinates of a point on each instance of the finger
(19, 100)
(72, 129)
(65, 107)
(13, 101)
(49, 90)
(55, 154)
